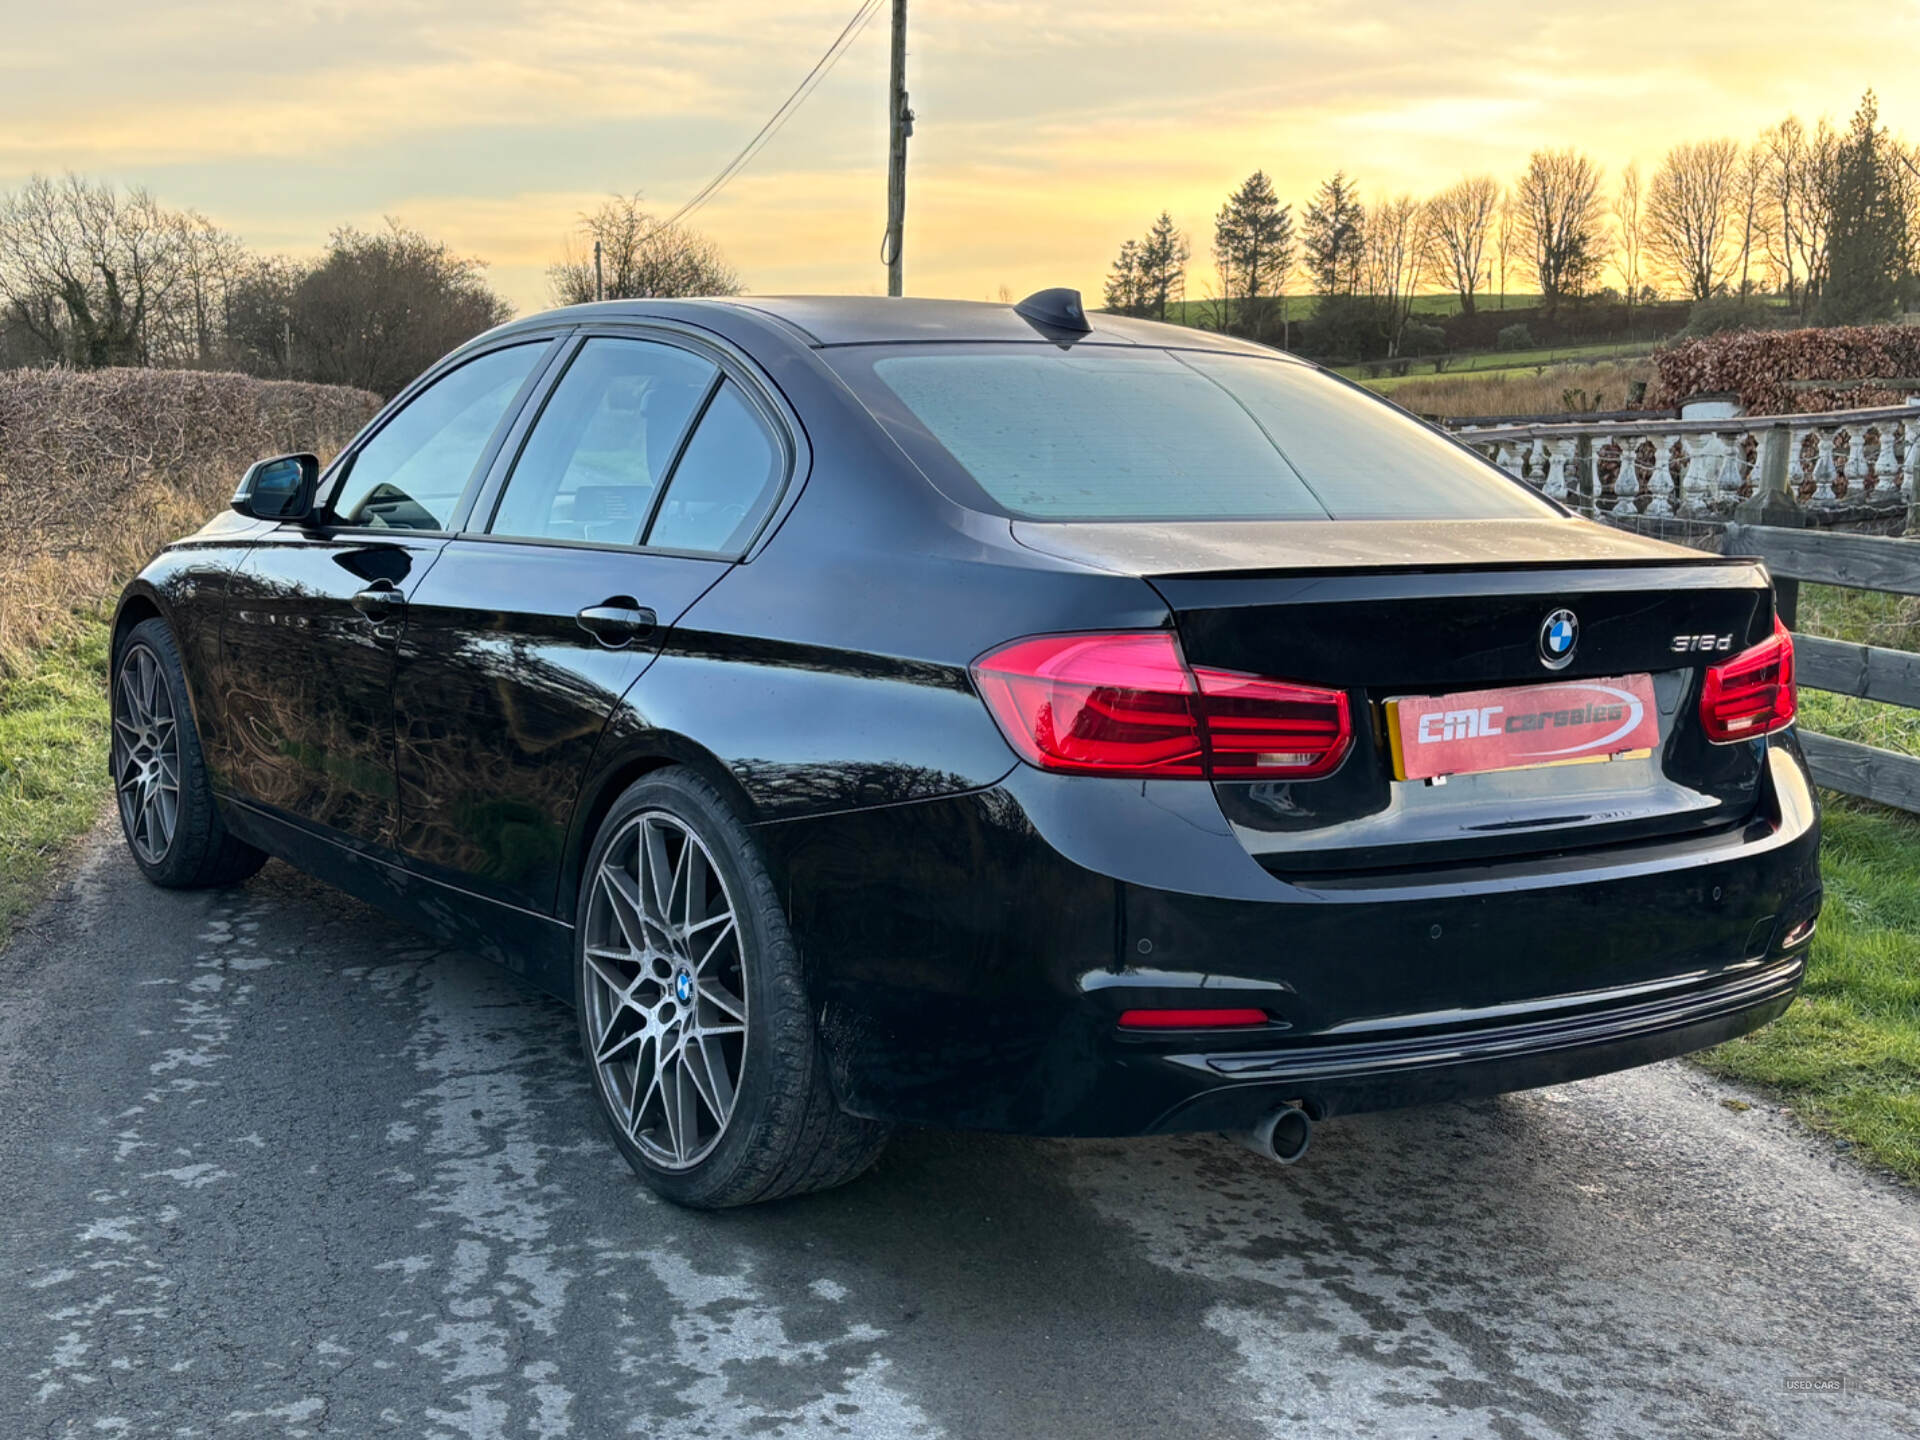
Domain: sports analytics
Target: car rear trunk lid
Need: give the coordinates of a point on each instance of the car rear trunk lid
(1388, 610)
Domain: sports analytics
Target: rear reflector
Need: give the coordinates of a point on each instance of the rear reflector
(1189, 1019)
(1127, 705)
(1753, 694)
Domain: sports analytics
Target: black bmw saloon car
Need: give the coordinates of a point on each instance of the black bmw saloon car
(874, 711)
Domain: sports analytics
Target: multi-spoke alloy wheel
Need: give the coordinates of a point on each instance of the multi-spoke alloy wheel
(173, 826)
(146, 754)
(694, 1010)
(666, 990)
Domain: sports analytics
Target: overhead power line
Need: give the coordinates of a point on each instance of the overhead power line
(821, 69)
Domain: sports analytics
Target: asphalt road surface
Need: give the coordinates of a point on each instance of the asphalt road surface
(271, 1165)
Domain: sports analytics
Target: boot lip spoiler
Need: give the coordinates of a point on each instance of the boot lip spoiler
(1224, 547)
(1283, 585)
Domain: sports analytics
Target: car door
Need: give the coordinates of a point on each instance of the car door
(646, 472)
(316, 609)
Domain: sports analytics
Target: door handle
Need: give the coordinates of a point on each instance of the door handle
(381, 600)
(617, 621)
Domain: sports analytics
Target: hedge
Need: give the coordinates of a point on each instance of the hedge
(99, 468)
(1756, 364)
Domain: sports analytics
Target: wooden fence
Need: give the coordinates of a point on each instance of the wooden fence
(1871, 672)
(1747, 485)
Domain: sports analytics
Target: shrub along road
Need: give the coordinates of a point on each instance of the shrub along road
(270, 1165)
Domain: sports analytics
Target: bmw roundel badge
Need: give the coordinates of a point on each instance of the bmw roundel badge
(1559, 633)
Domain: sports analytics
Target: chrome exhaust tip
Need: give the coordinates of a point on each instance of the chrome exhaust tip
(1281, 1135)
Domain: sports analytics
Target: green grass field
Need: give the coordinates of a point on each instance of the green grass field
(1300, 307)
(1865, 617)
(1488, 364)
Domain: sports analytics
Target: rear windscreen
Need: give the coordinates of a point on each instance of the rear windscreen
(1123, 433)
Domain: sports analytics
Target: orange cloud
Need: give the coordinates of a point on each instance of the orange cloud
(1049, 131)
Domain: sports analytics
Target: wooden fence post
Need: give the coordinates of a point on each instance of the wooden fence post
(1774, 503)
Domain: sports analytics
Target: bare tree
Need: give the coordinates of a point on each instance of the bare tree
(640, 257)
(1906, 179)
(1628, 222)
(1505, 237)
(1799, 198)
(1396, 246)
(1691, 212)
(1459, 221)
(211, 261)
(85, 269)
(1557, 200)
(1750, 198)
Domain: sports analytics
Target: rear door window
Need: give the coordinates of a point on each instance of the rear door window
(594, 462)
(725, 482)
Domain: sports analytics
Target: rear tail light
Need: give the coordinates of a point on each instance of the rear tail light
(1108, 704)
(1128, 705)
(1752, 694)
(1258, 728)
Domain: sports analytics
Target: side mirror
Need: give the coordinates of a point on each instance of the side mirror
(279, 489)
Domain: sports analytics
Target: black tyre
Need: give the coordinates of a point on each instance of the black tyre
(693, 1009)
(166, 806)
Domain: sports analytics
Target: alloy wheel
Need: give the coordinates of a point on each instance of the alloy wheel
(146, 754)
(665, 990)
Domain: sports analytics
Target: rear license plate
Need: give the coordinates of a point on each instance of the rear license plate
(1522, 726)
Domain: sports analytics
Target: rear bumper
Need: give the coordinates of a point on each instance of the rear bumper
(1238, 1087)
(970, 957)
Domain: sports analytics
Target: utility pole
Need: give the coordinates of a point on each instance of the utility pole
(899, 127)
(599, 288)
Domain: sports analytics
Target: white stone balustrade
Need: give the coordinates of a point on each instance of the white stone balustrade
(1702, 469)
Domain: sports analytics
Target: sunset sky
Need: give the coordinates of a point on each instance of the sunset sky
(1048, 131)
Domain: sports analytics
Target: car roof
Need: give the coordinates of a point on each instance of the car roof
(824, 320)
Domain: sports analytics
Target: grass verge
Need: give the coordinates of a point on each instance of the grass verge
(53, 761)
(1846, 1057)
(1863, 617)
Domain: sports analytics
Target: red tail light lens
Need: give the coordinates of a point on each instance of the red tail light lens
(1752, 694)
(1105, 704)
(1127, 704)
(1258, 729)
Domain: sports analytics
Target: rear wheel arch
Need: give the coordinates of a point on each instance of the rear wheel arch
(609, 780)
(781, 1130)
